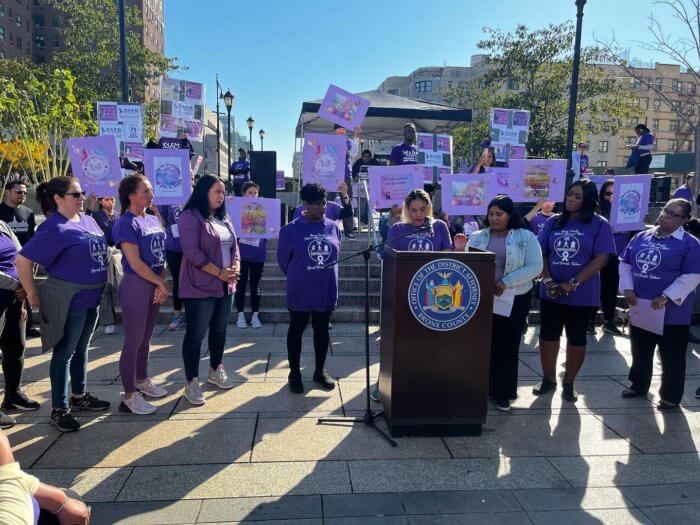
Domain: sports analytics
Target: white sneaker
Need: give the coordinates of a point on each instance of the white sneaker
(219, 378)
(148, 388)
(193, 392)
(110, 329)
(240, 323)
(138, 405)
(255, 321)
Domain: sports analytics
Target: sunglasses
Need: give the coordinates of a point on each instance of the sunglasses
(75, 194)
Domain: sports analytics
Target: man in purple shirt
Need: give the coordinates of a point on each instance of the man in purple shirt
(406, 152)
(686, 190)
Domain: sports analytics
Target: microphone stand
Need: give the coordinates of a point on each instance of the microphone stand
(369, 418)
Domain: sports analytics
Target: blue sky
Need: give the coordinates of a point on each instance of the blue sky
(274, 54)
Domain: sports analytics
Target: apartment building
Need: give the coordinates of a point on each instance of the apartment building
(16, 29)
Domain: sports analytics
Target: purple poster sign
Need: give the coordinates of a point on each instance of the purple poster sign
(521, 118)
(343, 108)
(598, 180)
(254, 218)
(468, 194)
(630, 202)
(280, 180)
(389, 185)
(324, 159)
(107, 112)
(169, 173)
(500, 117)
(530, 180)
(501, 179)
(95, 162)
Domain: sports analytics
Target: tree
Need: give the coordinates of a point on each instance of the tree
(531, 70)
(684, 50)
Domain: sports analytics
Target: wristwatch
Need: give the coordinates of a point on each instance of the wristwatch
(668, 299)
(574, 282)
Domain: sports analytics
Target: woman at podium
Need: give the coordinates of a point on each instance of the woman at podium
(518, 262)
(576, 244)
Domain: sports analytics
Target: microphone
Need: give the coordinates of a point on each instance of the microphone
(428, 225)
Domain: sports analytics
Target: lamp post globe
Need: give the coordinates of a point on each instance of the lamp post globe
(228, 102)
(251, 124)
(262, 137)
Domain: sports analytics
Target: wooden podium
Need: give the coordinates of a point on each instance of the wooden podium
(436, 341)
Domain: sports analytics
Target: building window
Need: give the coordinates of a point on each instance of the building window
(393, 91)
(424, 86)
(2, 10)
(673, 145)
(691, 88)
(56, 41)
(603, 146)
(39, 40)
(18, 21)
(634, 83)
(629, 142)
(673, 125)
(676, 85)
(689, 145)
(602, 163)
(655, 124)
(18, 42)
(39, 21)
(657, 104)
(605, 125)
(659, 83)
(2, 54)
(40, 59)
(2, 34)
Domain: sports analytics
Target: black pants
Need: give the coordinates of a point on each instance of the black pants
(174, 260)
(252, 271)
(609, 281)
(346, 212)
(506, 334)
(12, 341)
(297, 325)
(643, 166)
(672, 349)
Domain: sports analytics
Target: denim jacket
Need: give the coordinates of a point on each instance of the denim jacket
(523, 257)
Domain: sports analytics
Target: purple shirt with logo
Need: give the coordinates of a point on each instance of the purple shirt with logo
(656, 263)
(332, 211)
(145, 232)
(537, 223)
(568, 250)
(106, 222)
(683, 192)
(304, 248)
(253, 250)
(8, 252)
(402, 154)
(171, 214)
(71, 251)
(419, 241)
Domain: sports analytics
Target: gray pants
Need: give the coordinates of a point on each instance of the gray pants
(108, 314)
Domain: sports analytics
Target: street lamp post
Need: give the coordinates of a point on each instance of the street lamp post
(574, 90)
(228, 102)
(262, 138)
(251, 124)
(122, 51)
(219, 95)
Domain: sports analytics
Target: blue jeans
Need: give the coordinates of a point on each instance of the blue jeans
(70, 354)
(200, 314)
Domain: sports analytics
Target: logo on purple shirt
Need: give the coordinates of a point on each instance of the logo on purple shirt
(420, 244)
(98, 252)
(647, 260)
(566, 247)
(319, 250)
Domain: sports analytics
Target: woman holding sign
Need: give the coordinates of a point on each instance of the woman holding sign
(210, 269)
(659, 271)
(576, 244)
(518, 262)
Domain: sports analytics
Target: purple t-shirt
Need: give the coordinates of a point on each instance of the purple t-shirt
(332, 211)
(402, 154)
(304, 248)
(106, 222)
(537, 223)
(569, 249)
(171, 214)
(71, 251)
(253, 250)
(148, 234)
(683, 192)
(656, 263)
(8, 252)
(419, 241)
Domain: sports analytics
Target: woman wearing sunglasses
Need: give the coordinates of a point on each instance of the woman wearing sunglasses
(72, 248)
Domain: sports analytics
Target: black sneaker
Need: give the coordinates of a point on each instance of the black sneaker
(324, 380)
(63, 420)
(628, 393)
(20, 401)
(503, 406)
(545, 387)
(569, 393)
(295, 384)
(611, 328)
(693, 339)
(33, 332)
(88, 402)
(6, 421)
(667, 405)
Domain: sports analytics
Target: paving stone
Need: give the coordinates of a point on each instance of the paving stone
(100, 367)
(258, 509)
(146, 513)
(137, 443)
(305, 440)
(456, 474)
(670, 494)
(497, 518)
(240, 368)
(459, 502)
(571, 498)
(590, 517)
(540, 435)
(92, 485)
(674, 513)
(30, 441)
(635, 469)
(368, 520)
(595, 364)
(238, 480)
(350, 367)
(349, 505)
(658, 432)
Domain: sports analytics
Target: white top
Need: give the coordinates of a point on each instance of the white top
(226, 239)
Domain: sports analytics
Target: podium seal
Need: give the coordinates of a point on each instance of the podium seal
(444, 295)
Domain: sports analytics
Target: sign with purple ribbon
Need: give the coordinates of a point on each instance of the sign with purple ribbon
(630, 202)
(279, 181)
(254, 218)
(343, 108)
(530, 180)
(324, 159)
(435, 154)
(389, 185)
(468, 194)
(169, 173)
(181, 107)
(95, 162)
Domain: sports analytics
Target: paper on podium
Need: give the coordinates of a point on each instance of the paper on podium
(643, 316)
(503, 305)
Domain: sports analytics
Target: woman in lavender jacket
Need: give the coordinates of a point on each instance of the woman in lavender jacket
(208, 275)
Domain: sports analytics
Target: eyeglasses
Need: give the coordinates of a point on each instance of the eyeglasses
(673, 215)
(75, 194)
